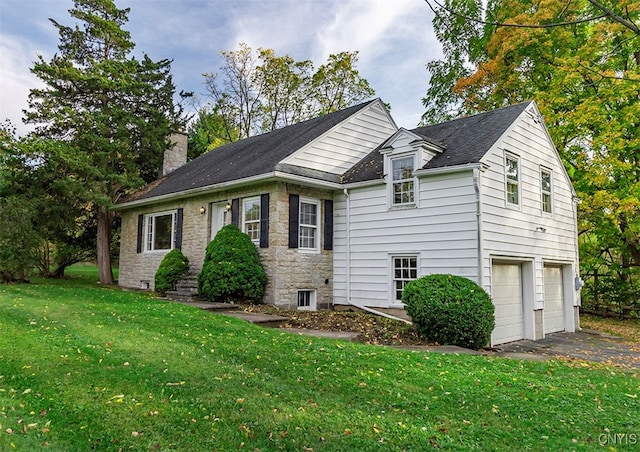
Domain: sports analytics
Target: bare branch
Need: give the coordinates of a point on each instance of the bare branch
(628, 24)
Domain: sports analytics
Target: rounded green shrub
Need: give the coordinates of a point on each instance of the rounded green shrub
(172, 268)
(451, 310)
(231, 270)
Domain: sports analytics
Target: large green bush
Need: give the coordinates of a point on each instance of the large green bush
(450, 309)
(231, 270)
(172, 268)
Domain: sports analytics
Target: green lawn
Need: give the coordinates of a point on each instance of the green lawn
(85, 367)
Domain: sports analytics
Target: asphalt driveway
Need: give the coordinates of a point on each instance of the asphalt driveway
(586, 345)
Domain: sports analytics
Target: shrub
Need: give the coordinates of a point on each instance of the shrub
(172, 268)
(231, 270)
(450, 309)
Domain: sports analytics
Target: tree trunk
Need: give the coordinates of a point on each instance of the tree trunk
(104, 246)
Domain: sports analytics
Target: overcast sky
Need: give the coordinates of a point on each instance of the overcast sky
(394, 37)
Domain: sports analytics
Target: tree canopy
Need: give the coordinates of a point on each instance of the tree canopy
(258, 91)
(585, 77)
(110, 112)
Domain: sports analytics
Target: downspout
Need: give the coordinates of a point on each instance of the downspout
(478, 190)
(348, 259)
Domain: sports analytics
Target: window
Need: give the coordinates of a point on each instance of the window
(512, 170)
(251, 218)
(403, 183)
(545, 186)
(160, 231)
(405, 269)
(308, 226)
(307, 300)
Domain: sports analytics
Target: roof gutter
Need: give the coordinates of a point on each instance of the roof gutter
(275, 175)
(448, 169)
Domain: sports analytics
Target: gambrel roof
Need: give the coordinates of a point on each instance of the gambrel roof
(465, 140)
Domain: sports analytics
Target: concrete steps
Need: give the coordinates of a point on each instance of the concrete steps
(186, 289)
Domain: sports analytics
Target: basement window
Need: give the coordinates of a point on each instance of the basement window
(307, 300)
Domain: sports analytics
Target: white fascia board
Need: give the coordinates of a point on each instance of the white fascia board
(276, 175)
(365, 183)
(308, 181)
(448, 169)
(195, 191)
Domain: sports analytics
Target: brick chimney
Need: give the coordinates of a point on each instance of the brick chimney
(176, 156)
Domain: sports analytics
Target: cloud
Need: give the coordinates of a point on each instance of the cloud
(16, 80)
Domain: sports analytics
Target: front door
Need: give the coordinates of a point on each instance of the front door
(219, 217)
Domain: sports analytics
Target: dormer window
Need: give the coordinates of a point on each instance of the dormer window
(403, 180)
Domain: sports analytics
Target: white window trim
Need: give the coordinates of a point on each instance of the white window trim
(315, 202)
(149, 221)
(392, 292)
(543, 170)
(511, 156)
(252, 200)
(313, 304)
(392, 182)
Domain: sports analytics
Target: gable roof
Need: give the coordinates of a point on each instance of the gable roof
(465, 140)
(253, 156)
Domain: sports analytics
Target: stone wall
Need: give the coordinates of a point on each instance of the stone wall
(288, 270)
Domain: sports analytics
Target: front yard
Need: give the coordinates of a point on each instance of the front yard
(84, 367)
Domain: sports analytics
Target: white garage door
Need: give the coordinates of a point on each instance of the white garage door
(507, 298)
(553, 300)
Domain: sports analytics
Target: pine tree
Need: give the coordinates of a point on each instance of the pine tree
(112, 110)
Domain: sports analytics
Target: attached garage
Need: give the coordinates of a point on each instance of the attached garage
(507, 297)
(553, 300)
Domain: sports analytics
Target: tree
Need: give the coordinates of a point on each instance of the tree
(208, 131)
(584, 77)
(47, 195)
(113, 112)
(257, 91)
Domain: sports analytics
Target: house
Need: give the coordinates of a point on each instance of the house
(347, 208)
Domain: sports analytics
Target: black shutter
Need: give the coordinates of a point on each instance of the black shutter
(179, 216)
(264, 220)
(328, 224)
(235, 211)
(294, 220)
(140, 228)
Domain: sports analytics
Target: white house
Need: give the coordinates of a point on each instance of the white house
(347, 208)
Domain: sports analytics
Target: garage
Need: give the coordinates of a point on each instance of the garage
(508, 301)
(553, 300)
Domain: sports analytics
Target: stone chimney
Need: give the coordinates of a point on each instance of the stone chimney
(176, 156)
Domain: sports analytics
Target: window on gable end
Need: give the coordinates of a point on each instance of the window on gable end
(403, 181)
(512, 171)
(545, 187)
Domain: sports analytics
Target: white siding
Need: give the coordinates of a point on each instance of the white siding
(347, 143)
(518, 232)
(441, 230)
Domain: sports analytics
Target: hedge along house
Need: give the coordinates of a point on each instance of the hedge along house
(345, 209)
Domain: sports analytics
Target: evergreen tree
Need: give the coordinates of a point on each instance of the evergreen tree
(113, 111)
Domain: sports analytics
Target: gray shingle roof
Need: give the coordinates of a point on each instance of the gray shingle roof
(466, 140)
(252, 156)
